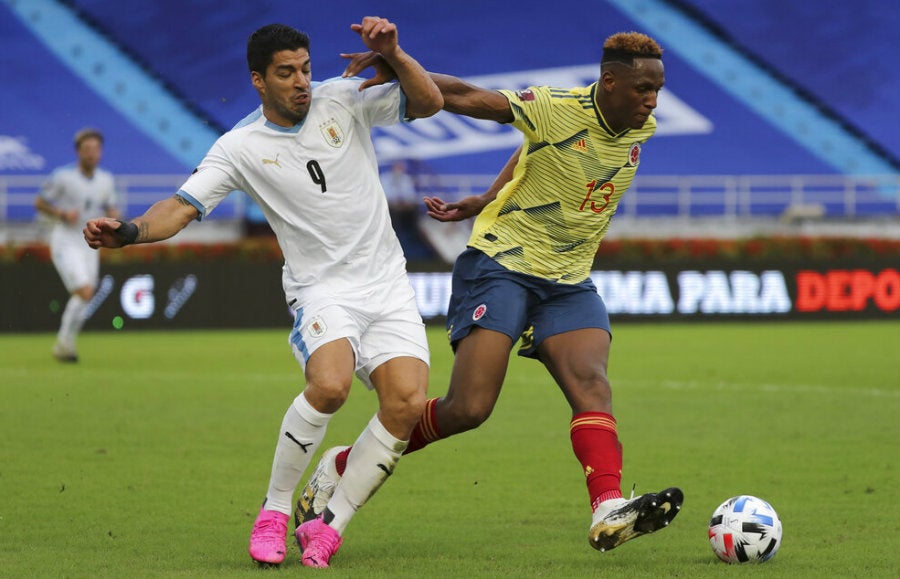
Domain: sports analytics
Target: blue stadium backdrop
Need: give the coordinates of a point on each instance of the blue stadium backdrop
(745, 93)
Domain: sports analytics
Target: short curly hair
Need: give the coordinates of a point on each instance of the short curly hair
(624, 47)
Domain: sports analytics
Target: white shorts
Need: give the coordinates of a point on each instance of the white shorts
(382, 325)
(77, 264)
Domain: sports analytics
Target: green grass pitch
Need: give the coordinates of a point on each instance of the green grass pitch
(150, 457)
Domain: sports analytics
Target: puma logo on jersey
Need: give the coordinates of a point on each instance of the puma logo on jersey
(272, 161)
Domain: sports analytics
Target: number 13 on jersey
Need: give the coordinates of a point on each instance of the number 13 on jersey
(607, 189)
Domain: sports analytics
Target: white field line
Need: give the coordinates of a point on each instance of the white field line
(758, 387)
(8, 375)
(162, 376)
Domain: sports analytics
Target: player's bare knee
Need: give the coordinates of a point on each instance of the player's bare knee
(599, 386)
(85, 292)
(593, 395)
(405, 406)
(327, 395)
(470, 415)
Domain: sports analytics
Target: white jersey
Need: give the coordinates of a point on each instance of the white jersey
(68, 188)
(318, 185)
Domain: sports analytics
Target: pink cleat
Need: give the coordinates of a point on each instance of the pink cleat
(318, 543)
(268, 536)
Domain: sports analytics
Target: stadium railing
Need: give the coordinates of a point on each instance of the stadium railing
(136, 193)
(728, 196)
(685, 196)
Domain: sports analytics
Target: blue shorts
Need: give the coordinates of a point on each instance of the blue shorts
(487, 295)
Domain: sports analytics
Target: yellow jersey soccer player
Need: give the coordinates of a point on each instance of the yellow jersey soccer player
(526, 269)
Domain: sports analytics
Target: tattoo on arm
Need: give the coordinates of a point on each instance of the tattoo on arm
(143, 232)
(181, 200)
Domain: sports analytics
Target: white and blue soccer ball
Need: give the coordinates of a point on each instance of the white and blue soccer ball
(745, 529)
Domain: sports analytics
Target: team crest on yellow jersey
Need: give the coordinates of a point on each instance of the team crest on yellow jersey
(634, 155)
(332, 132)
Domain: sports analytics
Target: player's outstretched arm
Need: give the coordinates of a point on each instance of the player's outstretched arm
(473, 204)
(457, 211)
(459, 96)
(467, 99)
(423, 98)
(161, 221)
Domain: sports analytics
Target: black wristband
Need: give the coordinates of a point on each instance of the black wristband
(127, 232)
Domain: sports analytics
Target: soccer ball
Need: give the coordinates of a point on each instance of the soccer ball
(745, 529)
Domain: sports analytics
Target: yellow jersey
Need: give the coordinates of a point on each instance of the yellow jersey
(550, 218)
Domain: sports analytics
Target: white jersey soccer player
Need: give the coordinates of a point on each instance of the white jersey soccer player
(68, 189)
(73, 194)
(307, 159)
(305, 179)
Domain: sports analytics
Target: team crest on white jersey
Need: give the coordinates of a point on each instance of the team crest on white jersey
(316, 328)
(332, 132)
(634, 155)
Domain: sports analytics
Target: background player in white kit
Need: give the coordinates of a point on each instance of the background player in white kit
(307, 159)
(72, 195)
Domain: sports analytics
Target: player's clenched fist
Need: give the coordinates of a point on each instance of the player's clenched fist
(107, 232)
(379, 34)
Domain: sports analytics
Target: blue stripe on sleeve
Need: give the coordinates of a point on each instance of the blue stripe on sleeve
(197, 205)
